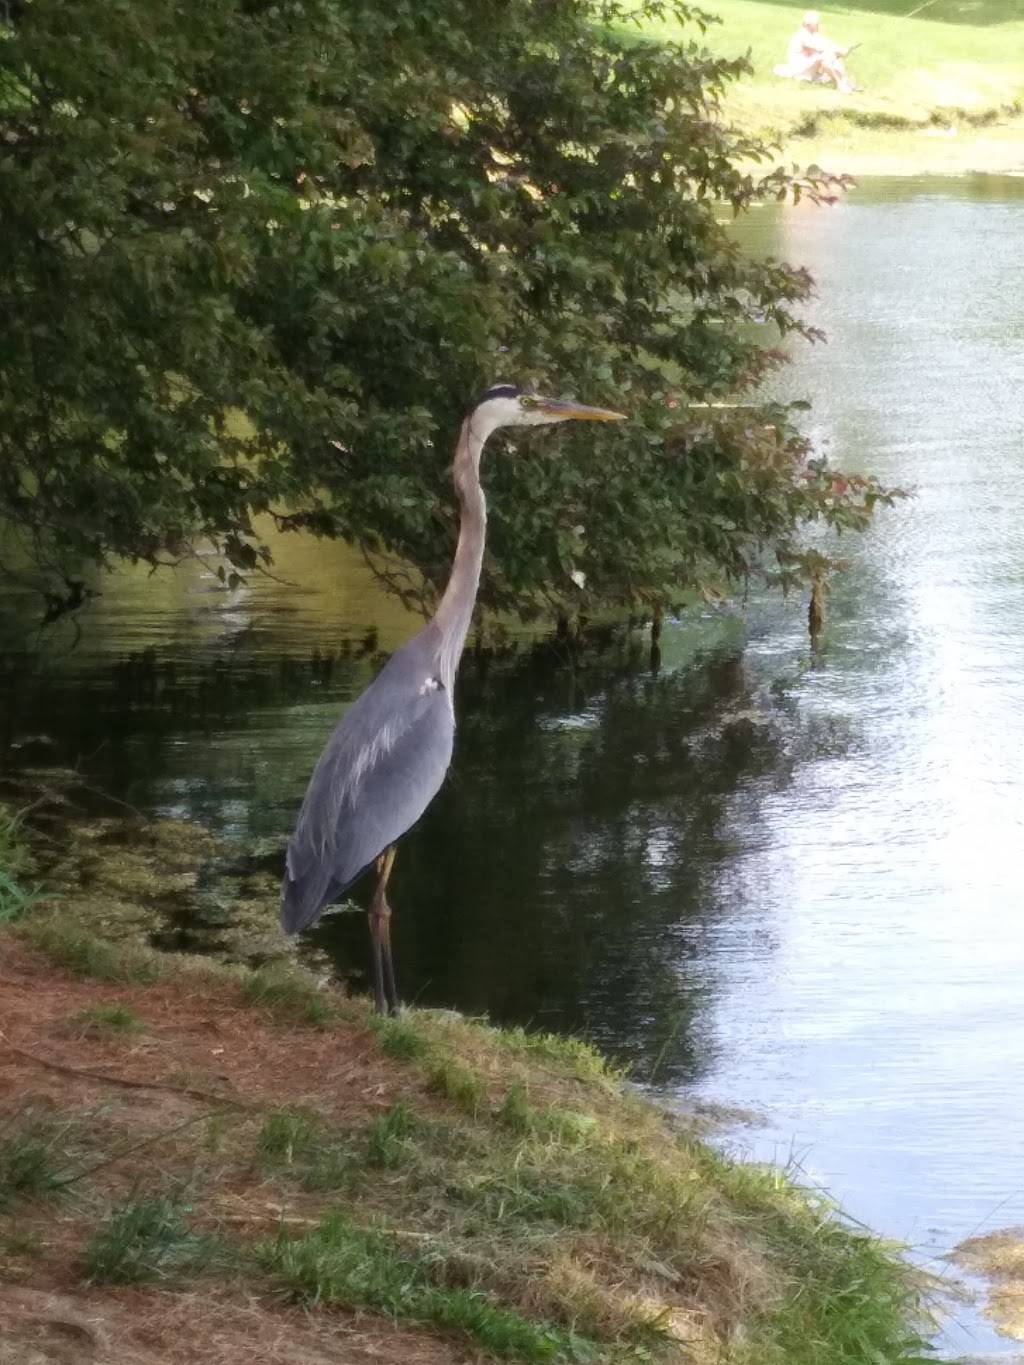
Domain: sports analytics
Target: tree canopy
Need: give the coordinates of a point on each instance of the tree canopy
(259, 256)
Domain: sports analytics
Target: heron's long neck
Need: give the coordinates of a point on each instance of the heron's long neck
(455, 611)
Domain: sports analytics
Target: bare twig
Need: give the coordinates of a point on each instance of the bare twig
(210, 1096)
(288, 1220)
(293, 1220)
(132, 1147)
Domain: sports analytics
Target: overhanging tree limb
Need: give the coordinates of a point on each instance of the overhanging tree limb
(259, 256)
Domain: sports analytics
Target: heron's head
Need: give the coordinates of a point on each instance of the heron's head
(504, 405)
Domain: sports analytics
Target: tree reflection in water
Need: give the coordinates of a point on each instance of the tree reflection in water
(583, 862)
(569, 873)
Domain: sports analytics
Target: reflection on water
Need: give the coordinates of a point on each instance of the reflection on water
(883, 1036)
(781, 882)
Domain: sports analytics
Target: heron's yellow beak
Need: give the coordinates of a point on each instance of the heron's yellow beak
(577, 412)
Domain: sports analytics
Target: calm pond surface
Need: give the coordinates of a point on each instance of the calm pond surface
(786, 883)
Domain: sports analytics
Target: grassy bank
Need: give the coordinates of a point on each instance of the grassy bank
(943, 90)
(200, 1161)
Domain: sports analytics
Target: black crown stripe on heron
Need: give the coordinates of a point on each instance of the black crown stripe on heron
(390, 751)
(499, 391)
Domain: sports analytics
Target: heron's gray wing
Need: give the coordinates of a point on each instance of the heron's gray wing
(382, 766)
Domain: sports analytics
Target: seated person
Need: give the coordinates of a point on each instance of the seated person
(813, 57)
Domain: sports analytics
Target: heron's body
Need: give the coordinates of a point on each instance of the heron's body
(389, 754)
(382, 767)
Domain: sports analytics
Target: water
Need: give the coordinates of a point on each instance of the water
(882, 1037)
(765, 879)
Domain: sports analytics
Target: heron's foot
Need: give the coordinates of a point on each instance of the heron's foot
(385, 994)
(393, 1001)
(388, 1009)
(386, 1005)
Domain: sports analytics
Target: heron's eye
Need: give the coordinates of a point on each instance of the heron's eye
(529, 401)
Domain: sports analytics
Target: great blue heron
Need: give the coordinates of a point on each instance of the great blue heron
(388, 755)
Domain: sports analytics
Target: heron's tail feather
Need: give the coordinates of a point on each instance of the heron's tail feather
(296, 914)
(305, 898)
(303, 901)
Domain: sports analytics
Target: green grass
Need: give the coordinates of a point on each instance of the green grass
(300, 1143)
(145, 1241)
(110, 1020)
(322, 1158)
(448, 1076)
(289, 995)
(83, 953)
(547, 1122)
(18, 1242)
(288, 1135)
(849, 1317)
(34, 1160)
(569, 1055)
(397, 1037)
(546, 1158)
(331, 1169)
(956, 63)
(339, 1264)
(843, 1303)
(388, 1138)
(16, 898)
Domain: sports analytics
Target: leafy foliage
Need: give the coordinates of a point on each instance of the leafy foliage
(258, 255)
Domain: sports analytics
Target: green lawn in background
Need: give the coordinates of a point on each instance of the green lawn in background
(955, 68)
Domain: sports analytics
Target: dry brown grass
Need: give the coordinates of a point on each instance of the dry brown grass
(151, 1327)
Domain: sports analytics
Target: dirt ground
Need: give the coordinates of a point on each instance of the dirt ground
(199, 1052)
(140, 1327)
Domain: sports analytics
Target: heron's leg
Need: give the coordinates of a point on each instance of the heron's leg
(385, 992)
